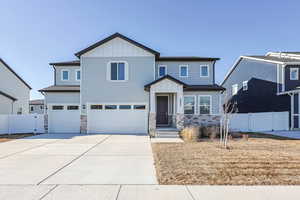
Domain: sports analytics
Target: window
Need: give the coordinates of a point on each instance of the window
(294, 74)
(162, 70)
(117, 71)
(110, 107)
(204, 71)
(139, 107)
(189, 104)
(57, 107)
(204, 104)
(183, 71)
(64, 75)
(124, 107)
(31, 108)
(234, 89)
(20, 111)
(78, 75)
(72, 107)
(245, 85)
(96, 107)
(41, 107)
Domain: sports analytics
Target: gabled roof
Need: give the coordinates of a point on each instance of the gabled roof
(186, 87)
(61, 88)
(36, 102)
(163, 78)
(78, 54)
(66, 63)
(8, 96)
(12, 71)
(188, 58)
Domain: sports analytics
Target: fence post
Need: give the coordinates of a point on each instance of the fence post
(35, 124)
(272, 114)
(8, 124)
(249, 121)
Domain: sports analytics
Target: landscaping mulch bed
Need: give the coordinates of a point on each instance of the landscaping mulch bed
(257, 161)
(7, 137)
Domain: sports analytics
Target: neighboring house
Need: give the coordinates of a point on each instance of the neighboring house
(36, 106)
(265, 84)
(121, 86)
(14, 91)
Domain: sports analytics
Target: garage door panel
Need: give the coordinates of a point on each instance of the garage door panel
(118, 121)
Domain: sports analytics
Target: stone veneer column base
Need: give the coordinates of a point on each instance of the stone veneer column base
(179, 121)
(46, 123)
(152, 124)
(83, 124)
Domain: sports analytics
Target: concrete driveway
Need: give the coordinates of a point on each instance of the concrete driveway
(77, 159)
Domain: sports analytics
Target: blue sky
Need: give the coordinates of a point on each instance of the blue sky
(36, 32)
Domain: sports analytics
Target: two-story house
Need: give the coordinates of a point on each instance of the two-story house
(14, 91)
(36, 106)
(121, 86)
(265, 83)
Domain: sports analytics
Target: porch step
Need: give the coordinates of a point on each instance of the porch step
(167, 133)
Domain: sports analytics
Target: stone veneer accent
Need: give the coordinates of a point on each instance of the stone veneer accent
(152, 124)
(179, 121)
(46, 123)
(201, 120)
(83, 124)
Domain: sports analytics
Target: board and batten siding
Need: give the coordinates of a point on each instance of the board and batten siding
(14, 87)
(72, 75)
(193, 72)
(215, 98)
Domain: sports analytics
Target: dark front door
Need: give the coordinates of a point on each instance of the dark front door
(162, 110)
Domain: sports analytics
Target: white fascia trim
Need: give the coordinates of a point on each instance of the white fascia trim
(166, 70)
(210, 104)
(289, 92)
(187, 71)
(272, 61)
(62, 72)
(231, 69)
(207, 71)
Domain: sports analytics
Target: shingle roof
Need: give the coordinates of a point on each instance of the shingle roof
(7, 95)
(61, 88)
(274, 58)
(36, 102)
(12, 71)
(66, 63)
(187, 58)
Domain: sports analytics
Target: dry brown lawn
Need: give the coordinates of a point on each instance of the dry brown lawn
(6, 137)
(258, 161)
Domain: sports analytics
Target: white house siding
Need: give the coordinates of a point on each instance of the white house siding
(72, 75)
(215, 100)
(5, 105)
(13, 86)
(193, 71)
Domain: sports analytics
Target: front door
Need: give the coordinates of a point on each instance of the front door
(162, 110)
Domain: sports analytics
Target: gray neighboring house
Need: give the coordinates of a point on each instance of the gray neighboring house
(36, 106)
(118, 85)
(14, 91)
(266, 83)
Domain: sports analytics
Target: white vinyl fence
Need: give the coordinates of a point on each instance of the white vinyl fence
(264, 121)
(31, 123)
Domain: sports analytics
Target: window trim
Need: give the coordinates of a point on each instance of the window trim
(166, 70)
(76, 78)
(108, 71)
(237, 86)
(245, 85)
(62, 74)
(297, 78)
(210, 104)
(187, 71)
(195, 104)
(201, 66)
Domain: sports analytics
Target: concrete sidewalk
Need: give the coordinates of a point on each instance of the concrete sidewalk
(287, 134)
(149, 192)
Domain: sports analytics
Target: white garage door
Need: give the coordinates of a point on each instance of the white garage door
(63, 118)
(117, 118)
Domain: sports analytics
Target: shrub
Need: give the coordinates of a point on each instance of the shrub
(212, 131)
(191, 133)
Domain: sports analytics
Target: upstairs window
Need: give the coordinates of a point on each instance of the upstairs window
(117, 71)
(162, 70)
(78, 75)
(65, 75)
(294, 74)
(234, 89)
(204, 104)
(245, 85)
(204, 71)
(183, 71)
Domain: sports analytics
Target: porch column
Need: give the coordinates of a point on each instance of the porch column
(180, 109)
(152, 113)
(292, 111)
